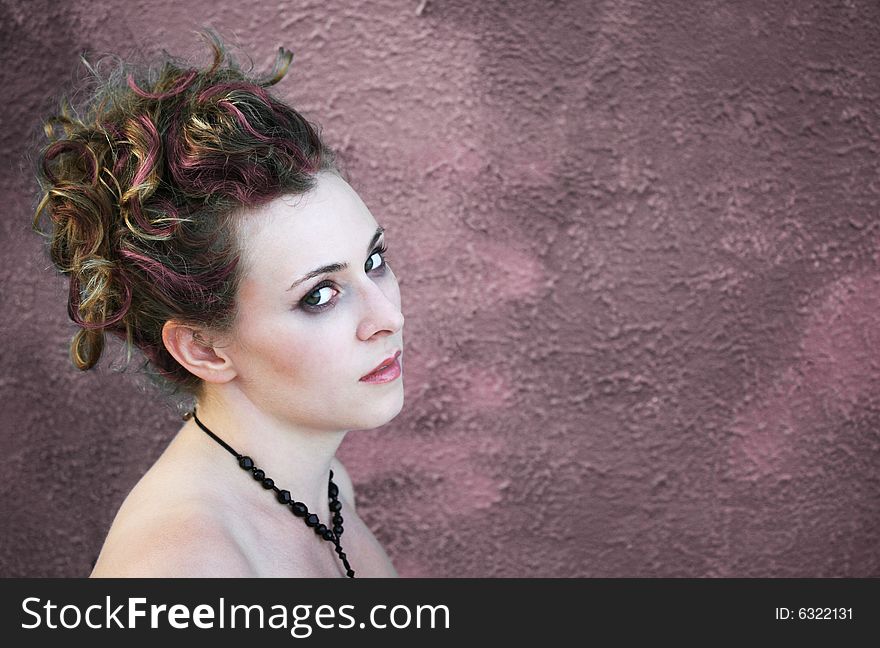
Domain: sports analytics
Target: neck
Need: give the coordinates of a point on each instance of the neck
(297, 458)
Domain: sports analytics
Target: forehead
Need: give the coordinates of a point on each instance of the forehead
(294, 234)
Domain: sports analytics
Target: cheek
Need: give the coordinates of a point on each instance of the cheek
(292, 347)
(269, 344)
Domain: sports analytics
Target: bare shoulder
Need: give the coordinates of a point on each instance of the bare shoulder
(181, 543)
(164, 529)
(343, 481)
(366, 552)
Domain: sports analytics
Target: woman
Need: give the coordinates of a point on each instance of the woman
(205, 223)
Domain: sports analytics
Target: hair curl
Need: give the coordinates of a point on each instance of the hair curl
(141, 193)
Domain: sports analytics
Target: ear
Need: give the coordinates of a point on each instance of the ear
(204, 358)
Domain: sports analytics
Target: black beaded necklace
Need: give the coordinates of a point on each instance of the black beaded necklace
(299, 509)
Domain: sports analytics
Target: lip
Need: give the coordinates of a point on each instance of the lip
(385, 364)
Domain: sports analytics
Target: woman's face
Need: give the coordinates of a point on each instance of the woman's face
(300, 346)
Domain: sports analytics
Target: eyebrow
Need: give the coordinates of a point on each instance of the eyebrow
(335, 267)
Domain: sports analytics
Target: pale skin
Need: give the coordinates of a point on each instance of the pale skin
(283, 388)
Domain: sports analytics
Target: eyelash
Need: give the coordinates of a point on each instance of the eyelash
(309, 308)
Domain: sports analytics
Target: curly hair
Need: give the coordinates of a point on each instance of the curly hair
(141, 186)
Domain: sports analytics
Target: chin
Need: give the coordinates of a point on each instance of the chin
(380, 411)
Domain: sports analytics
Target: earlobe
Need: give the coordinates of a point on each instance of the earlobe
(196, 354)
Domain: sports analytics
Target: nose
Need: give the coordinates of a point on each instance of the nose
(382, 309)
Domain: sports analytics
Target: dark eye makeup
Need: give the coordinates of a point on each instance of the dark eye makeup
(309, 304)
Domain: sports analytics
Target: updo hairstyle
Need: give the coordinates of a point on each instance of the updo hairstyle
(140, 185)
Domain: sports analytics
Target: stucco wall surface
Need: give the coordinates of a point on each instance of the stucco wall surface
(638, 249)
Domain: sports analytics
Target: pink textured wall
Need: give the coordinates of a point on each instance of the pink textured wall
(638, 250)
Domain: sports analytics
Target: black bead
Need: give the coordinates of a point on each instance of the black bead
(338, 529)
(268, 483)
(335, 505)
(312, 519)
(259, 474)
(320, 529)
(284, 496)
(350, 573)
(299, 509)
(337, 519)
(328, 534)
(246, 462)
(334, 490)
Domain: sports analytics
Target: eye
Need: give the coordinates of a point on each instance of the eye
(313, 301)
(310, 303)
(381, 252)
